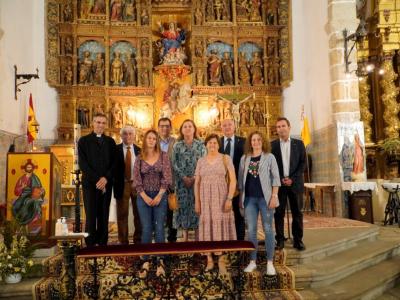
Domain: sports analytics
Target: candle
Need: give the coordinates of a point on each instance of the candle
(77, 135)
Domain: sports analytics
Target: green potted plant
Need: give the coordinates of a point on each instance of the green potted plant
(391, 147)
(15, 254)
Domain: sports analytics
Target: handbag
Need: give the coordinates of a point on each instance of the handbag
(227, 179)
(172, 201)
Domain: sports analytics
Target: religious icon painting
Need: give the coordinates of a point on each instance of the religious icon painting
(34, 193)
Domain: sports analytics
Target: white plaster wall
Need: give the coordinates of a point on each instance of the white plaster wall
(23, 44)
(310, 85)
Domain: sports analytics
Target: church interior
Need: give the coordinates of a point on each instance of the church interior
(331, 67)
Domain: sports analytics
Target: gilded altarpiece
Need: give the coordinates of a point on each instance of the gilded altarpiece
(138, 60)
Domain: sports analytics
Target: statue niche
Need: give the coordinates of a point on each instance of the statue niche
(122, 11)
(218, 10)
(91, 63)
(123, 68)
(248, 10)
(251, 69)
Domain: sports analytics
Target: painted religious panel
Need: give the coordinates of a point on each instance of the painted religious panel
(351, 145)
(34, 192)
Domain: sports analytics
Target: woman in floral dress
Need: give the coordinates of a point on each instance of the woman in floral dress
(214, 198)
(186, 152)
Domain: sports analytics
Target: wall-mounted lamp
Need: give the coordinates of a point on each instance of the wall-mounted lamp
(28, 78)
(354, 37)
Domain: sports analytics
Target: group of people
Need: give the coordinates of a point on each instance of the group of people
(221, 184)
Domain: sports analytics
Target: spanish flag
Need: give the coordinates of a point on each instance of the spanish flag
(305, 132)
(31, 130)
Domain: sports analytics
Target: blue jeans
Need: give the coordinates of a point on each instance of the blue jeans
(152, 218)
(253, 206)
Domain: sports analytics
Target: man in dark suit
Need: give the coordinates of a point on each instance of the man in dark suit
(124, 190)
(233, 146)
(290, 156)
(96, 153)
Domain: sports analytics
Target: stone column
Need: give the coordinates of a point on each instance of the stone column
(344, 87)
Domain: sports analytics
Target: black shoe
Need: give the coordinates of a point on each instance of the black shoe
(299, 246)
(280, 245)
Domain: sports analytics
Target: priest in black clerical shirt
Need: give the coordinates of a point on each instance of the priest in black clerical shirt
(96, 153)
(233, 146)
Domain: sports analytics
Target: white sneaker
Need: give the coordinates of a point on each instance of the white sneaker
(251, 267)
(271, 269)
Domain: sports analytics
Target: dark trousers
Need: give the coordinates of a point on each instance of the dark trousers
(97, 208)
(123, 214)
(239, 219)
(296, 204)
(172, 232)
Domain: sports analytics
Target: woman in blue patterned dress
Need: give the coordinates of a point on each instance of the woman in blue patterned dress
(186, 152)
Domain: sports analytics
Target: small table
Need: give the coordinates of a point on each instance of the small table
(320, 189)
(360, 200)
(392, 209)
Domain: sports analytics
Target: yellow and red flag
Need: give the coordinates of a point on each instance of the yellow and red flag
(32, 123)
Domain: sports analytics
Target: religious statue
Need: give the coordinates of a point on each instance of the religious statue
(85, 72)
(214, 68)
(130, 71)
(83, 116)
(67, 12)
(271, 13)
(346, 158)
(68, 45)
(117, 69)
(144, 48)
(227, 69)
(128, 12)
(244, 74)
(116, 116)
(210, 11)
(242, 9)
(271, 47)
(258, 115)
(130, 116)
(358, 163)
(200, 77)
(218, 7)
(199, 48)
(116, 10)
(198, 16)
(170, 98)
(172, 38)
(144, 17)
(98, 69)
(256, 69)
(84, 9)
(68, 75)
(145, 78)
(30, 196)
(99, 7)
(98, 109)
(255, 11)
(174, 58)
(273, 72)
(244, 114)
